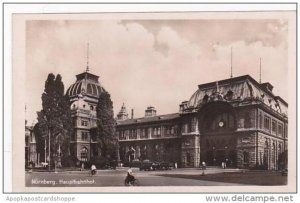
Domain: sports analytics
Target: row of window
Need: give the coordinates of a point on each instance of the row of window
(274, 127)
(143, 133)
(84, 136)
(189, 126)
(92, 107)
(85, 122)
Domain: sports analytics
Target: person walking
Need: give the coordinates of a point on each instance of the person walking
(93, 169)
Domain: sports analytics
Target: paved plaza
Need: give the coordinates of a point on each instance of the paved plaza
(116, 178)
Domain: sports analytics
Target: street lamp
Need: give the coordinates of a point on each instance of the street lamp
(49, 152)
(214, 156)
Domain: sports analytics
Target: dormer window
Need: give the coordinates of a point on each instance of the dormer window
(205, 98)
(229, 95)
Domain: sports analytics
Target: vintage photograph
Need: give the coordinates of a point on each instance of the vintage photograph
(143, 100)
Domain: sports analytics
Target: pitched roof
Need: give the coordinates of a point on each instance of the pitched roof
(149, 119)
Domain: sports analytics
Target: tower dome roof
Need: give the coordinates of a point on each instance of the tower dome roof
(87, 84)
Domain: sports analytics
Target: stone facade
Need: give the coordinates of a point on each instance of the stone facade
(31, 155)
(237, 121)
(84, 94)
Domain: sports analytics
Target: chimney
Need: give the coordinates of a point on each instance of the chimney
(150, 111)
(267, 86)
(132, 113)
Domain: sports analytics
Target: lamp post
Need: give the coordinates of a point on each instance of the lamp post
(214, 156)
(49, 152)
(45, 150)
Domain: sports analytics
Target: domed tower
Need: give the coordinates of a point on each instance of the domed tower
(83, 95)
(122, 115)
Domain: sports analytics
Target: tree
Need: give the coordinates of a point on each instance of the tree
(54, 120)
(106, 126)
(40, 142)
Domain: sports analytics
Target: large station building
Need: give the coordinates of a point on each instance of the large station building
(237, 120)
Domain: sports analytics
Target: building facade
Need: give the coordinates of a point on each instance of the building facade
(31, 155)
(83, 95)
(237, 121)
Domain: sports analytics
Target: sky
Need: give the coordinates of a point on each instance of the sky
(156, 63)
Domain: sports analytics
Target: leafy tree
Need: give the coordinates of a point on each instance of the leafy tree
(40, 142)
(54, 120)
(106, 126)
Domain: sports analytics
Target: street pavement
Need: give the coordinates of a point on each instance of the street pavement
(117, 177)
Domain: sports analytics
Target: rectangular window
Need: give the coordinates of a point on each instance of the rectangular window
(84, 136)
(172, 130)
(267, 122)
(260, 121)
(280, 129)
(167, 130)
(84, 122)
(126, 134)
(132, 134)
(247, 120)
(193, 124)
(274, 127)
(123, 136)
(144, 133)
(149, 132)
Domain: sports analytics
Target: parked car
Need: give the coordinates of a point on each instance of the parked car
(165, 166)
(284, 172)
(148, 165)
(135, 163)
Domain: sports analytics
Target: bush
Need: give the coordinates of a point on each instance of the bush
(259, 167)
(99, 162)
(69, 161)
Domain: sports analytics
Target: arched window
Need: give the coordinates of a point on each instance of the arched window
(246, 157)
(266, 154)
(78, 89)
(84, 154)
(94, 89)
(229, 95)
(205, 98)
(274, 155)
(220, 122)
(89, 89)
(260, 120)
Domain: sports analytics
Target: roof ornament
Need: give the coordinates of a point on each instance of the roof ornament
(260, 70)
(231, 62)
(87, 57)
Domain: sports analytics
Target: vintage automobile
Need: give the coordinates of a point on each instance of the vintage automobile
(148, 165)
(284, 172)
(135, 163)
(164, 166)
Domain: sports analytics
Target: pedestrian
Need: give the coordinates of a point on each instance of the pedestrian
(203, 165)
(223, 165)
(93, 169)
(175, 165)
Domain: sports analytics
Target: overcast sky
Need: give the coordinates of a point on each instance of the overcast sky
(153, 62)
